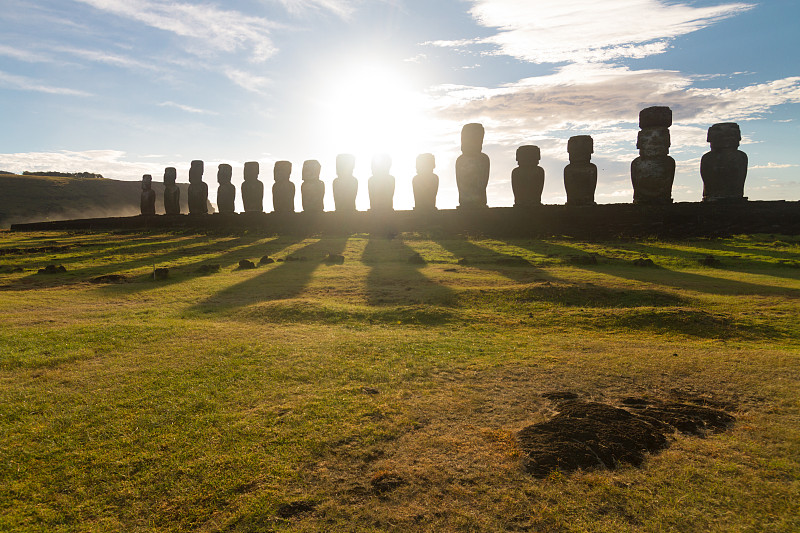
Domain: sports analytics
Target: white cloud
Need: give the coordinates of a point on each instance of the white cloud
(342, 8)
(23, 55)
(771, 165)
(23, 83)
(248, 81)
(577, 31)
(188, 109)
(107, 58)
(109, 163)
(222, 30)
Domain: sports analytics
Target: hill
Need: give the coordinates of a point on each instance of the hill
(39, 198)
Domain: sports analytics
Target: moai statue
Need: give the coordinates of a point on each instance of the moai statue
(425, 183)
(283, 189)
(724, 168)
(312, 190)
(198, 190)
(226, 192)
(472, 168)
(580, 176)
(345, 186)
(653, 172)
(381, 185)
(252, 189)
(172, 194)
(527, 180)
(148, 203)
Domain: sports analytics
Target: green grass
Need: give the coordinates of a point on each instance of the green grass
(212, 402)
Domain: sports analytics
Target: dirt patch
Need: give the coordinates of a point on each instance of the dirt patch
(109, 278)
(289, 510)
(594, 435)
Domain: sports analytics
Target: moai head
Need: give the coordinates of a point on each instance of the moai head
(472, 139)
(311, 170)
(224, 173)
(381, 164)
(196, 172)
(653, 142)
(251, 170)
(580, 148)
(282, 170)
(528, 155)
(147, 182)
(425, 164)
(655, 117)
(726, 135)
(345, 164)
(170, 175)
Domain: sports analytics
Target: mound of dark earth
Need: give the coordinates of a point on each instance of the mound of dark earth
(594, 435)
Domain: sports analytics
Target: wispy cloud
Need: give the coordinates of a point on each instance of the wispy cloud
(222, 30)
(107, 58)
(577, 31)
(24, 55)
(248, 81)
(770, 166)
(342, 8)
(23, 83)
(188, 109)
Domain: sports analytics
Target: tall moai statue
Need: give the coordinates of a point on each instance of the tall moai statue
(653, 172)
(345, 186)
(172, 194)
(283, 189)
(527, 180)
(226, 192)
(312, 190)
(252, 189)
(148, 201)
(381, 185)
(724, 168)
(198, 190)
(472, 168)
(580, 176)
(425, 183)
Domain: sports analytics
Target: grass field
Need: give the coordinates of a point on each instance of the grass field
(384, 394)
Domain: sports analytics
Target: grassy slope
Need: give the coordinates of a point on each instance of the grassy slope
(208, 402)
(37, 198)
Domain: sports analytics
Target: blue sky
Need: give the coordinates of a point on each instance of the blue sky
(126, 87)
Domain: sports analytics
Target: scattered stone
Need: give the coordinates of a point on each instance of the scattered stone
(709, 261)
(451, 270)
(160, 274)
(370, 390)
(266, 260)
(416, 259)
(208, 269)
(289, 510)
(52, 269)
(644, 262)
(386, 481)
(334, 259)
(16, 270)
(109, 278)
(560, 395)
(246, 264)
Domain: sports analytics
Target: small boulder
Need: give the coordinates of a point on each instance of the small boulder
(246, 264)
(52, 269)
(160, 274)
(266, 260)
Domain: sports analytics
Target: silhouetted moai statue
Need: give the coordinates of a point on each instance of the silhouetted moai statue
(425, 183)
(172, 194)
(283, 189)
(724, 168)
(472, 168)
(148, 203)
(252, 189)
(527, 180)
(198, 190)
(226, 192)
(653, 172)
(580, 176)
(345, 186)
(312, 190)
(381, 185)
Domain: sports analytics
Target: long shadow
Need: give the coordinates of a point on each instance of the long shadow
(667, 277)
(278, 281)
(393, 280)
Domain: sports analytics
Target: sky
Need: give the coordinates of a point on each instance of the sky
(128, 87)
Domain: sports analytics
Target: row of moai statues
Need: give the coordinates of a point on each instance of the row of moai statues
(723, 170)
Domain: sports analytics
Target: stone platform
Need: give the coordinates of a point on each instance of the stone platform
(590, 222)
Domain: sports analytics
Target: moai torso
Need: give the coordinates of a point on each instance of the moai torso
(198, 190)
(724, 168)
(653, 172)
(283, 189)
(312, 190)
(527, 180)
(580, 175)
(252, 189)
(345, 186)
(472, 168)
(425, 183)
(226, 192)
(381, 185)
(148, 201)
(172, 194)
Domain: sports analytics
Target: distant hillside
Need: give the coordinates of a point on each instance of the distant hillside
(40, 198)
